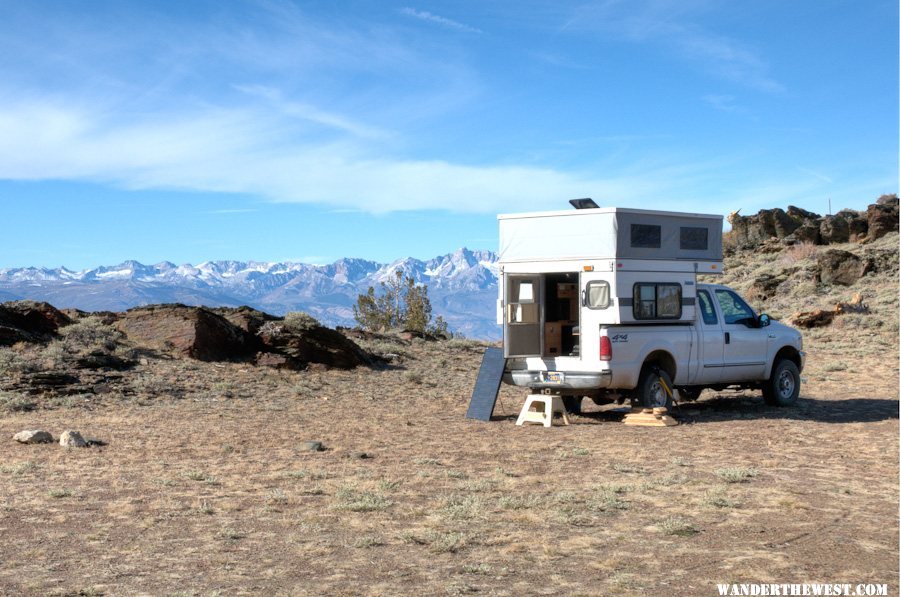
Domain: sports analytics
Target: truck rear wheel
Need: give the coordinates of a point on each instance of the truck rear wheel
(650, 392)
(783, 386)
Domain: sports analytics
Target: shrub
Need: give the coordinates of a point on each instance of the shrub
(736, 474)
(298, 321)
(401, 304)
(799, 252)
(90, 334)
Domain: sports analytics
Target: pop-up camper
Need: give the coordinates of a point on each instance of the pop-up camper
(597, 302)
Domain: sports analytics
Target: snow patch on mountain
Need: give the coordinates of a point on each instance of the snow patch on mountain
(462, 286)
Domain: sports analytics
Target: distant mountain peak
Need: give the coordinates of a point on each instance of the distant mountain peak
(462, 286)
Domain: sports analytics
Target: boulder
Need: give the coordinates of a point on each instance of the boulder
(841, 267)
(806, 233)
(29, 321)
(33, 436)
(882, 219)
(312, 446)
(72, 439)
(834, 229)
(768, 223)
(857, 224)
(888, 200)
(195, 332)
(316, 344)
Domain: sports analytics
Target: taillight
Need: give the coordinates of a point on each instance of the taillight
(605, 348)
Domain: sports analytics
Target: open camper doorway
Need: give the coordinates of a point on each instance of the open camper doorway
(562, 315)
(542, 315)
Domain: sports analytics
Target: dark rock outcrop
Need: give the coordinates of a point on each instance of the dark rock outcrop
(29, 321)
(882, 219)
(314, 345)
(799, 225)
(195, 332)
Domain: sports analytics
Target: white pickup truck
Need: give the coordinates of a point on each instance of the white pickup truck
(728, 345)
(605, 303)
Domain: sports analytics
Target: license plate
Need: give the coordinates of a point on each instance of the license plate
(554, 377)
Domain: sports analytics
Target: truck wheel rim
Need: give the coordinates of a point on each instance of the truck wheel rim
(657, 395)
(786, 384)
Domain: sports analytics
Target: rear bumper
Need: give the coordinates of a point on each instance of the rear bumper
(574, 380)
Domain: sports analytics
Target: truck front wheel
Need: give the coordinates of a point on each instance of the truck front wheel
(783, 387)
(650, 392)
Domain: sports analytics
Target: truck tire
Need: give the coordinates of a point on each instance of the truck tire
(783, 387)
(572, 404)
(650, 392)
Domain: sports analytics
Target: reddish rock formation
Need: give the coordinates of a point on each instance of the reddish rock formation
(195, 332)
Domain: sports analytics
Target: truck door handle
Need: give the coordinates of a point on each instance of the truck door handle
(727, 337)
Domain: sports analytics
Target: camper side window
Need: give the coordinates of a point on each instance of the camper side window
(646, 236)
(657, 301)
(596, 294)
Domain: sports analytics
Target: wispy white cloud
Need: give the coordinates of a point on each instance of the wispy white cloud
(674, 26)
(311, 113)
(814, 174)
(241, 151)
(424, 15)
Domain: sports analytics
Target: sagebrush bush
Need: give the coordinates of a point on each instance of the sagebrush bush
(90, 334)
(799, 252)
(298, 321)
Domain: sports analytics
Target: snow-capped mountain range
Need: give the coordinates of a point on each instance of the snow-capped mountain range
(462, 286)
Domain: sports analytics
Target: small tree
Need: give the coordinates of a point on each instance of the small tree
(401, 304)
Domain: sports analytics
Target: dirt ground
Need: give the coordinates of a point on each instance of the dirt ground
(205, 487)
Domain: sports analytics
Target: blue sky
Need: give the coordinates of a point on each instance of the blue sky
(280, 130)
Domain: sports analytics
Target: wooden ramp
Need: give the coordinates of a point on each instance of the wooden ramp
(484, 396)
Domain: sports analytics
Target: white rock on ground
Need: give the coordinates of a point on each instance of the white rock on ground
(72, 439)
(33, 436)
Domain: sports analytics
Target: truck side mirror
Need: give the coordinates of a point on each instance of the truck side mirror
(764, 320)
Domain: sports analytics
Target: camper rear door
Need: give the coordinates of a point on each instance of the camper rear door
(523, 316)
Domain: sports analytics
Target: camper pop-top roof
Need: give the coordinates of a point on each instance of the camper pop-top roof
(610, 233)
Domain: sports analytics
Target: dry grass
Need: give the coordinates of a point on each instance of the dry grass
(204, 487)
(200, 493)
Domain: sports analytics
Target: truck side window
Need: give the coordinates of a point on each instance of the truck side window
(597, 294)
(657, 301)
(734, 309)
(706, 308)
